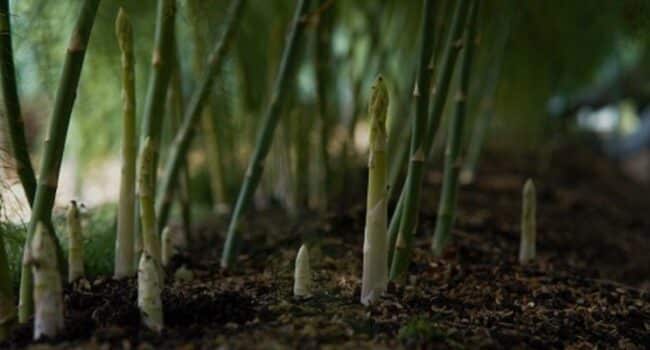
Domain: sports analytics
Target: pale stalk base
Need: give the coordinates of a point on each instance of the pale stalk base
(48, 293)
(375, 255)
(149, 290)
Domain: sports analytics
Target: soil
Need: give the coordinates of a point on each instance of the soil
(589, 288)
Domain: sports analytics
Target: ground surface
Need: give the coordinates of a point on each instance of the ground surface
(590, 287)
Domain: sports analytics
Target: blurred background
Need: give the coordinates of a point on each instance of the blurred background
(548, 74)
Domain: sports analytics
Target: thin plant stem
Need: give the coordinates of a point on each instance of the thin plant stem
(265, 136)
(55, 142)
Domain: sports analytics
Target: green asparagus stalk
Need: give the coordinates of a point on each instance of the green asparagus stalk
(146, 192)
(48, 290)
(409, 212)
(75, 244)
(375, 250)
(55, 142)
(484, 119)
(124, 243)
(208, 128)
(453, 162)
(185, 134)
(7, 306)
(395, 222)
(302, 280)
(527, 248)
(161, 69)
(270, 121)
(149, 290)
(159, 76)
(416, 162)
(175, 109)
(12, 106)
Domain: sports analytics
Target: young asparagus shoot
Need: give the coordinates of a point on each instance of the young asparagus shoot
(146, 175)
(124, 242)
(302, 274)
(375, 249)
(149, 289)
(168, 249)
(7, 307)
(48, 292)
(527, 249)
(75, 244)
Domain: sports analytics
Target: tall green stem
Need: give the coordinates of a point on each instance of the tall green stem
(175, 107)
(404, 240)
(124, 243)
(375, 266)
(161, 67)
(208, 129)
(55, 142)
(146, 175)
(12, 106)
(416, 163)
(263, 143)
(185, 134)
(484, 118)
(447, 204)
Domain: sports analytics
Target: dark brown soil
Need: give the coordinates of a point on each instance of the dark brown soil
(590, 287)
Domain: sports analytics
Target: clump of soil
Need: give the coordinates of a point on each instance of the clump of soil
(588, 288)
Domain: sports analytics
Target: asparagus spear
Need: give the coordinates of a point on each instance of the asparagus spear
(527, 249)
(302, 274)
(375, 250)
(75, 244)
(124, 242)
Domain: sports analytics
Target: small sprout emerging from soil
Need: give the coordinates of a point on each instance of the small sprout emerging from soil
(75, 244)
(183, 274)
(527, 249)
(375, 248)
(48, 293)
(168, 248)
(149, 289)
(302, 274)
